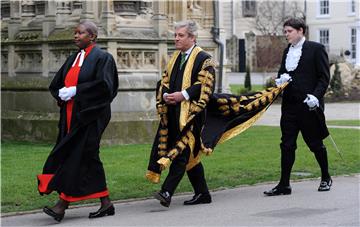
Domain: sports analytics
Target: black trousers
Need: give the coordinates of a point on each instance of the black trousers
(177, 170)
(294, 119)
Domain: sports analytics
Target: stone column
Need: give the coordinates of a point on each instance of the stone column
(161, 26)
(160, 19)
(48, 26)
(49, 21)
(63, 11)
(15, 20)
(222, 32)
(112, 49)
(28, 10)
(357, 59)
(13, 29)
(222, 36)
(183, 10)
(108, 16)
(87, 11)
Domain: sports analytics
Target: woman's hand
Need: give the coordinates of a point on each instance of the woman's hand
(66, 93)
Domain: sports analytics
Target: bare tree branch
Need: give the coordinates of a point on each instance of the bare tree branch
(272, 14)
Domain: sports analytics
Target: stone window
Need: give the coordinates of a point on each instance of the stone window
(324, 7)
(353, 43)
(40, 7)
(352, 8)
(324, 38)
(249, 8)
(131, 8)
(126, 7)
(76, 5)
(5, 10)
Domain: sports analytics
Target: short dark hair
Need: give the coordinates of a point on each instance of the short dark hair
(296, 23)
(90, 27)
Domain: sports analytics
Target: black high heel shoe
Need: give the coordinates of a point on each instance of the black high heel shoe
(103, 212)
(56, 216)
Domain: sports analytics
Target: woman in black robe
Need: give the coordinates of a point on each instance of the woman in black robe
(83, 88)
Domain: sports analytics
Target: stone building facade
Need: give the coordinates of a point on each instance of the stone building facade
(252, 28)
(36, 38)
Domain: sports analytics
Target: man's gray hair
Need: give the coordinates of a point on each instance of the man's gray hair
(90, 27)
(190, 25)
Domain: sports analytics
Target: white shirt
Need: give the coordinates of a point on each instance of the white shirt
(188, 52)
(184, 92)
(293, 56)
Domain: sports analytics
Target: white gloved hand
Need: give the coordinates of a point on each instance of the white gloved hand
(282, 79)
(311, 101)
(66, 93)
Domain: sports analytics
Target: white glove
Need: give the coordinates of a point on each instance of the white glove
(283, 79)
(66, 93)
(311, 101)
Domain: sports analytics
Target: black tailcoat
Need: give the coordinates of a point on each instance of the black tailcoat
(310, 77)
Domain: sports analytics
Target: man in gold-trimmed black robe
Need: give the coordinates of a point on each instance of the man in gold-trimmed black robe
(182, 96)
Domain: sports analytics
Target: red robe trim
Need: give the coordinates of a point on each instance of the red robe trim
(44, 180)
(91, 196)
(71, 79)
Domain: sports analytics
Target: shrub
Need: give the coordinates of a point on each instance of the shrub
(270, 82)
(336, 83)
(247, 83)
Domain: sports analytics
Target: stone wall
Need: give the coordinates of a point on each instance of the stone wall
(37, 37)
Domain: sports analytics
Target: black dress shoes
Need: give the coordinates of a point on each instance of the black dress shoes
(56, 216)
(325, 185)
(164, 197)
(103, 212)
(199, 199)
(279, 190)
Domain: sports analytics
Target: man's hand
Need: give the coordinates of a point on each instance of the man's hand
(173, 98)
(311, 101)
(283, 79)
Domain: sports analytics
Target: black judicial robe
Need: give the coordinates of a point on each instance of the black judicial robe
(74, 160)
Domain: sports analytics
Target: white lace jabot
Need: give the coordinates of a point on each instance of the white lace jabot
(293, 56)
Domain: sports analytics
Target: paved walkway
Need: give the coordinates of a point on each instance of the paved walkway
(243, 206)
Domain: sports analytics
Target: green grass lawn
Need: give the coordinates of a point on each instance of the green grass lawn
(249, 158)
(344, 122)
(237, 89)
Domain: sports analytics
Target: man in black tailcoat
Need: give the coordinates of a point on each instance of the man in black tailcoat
(305, 64)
